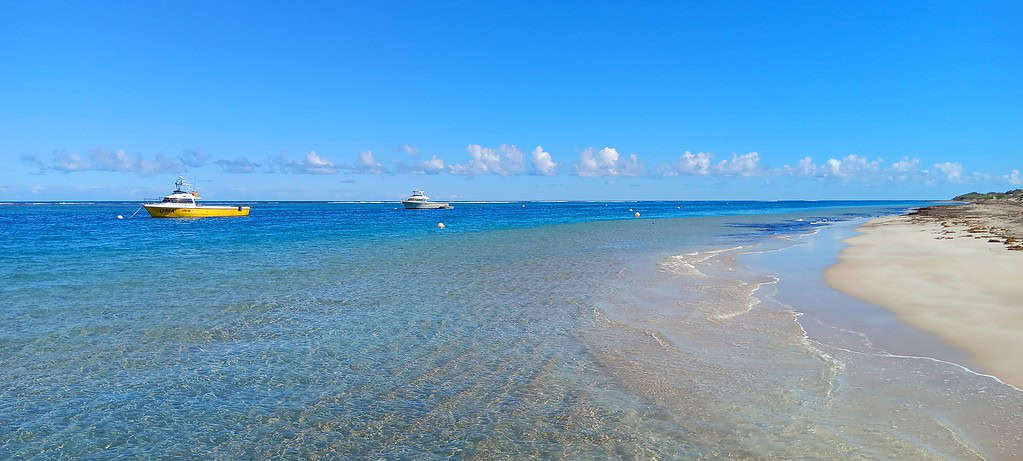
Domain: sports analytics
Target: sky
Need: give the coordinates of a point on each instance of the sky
(510, 100)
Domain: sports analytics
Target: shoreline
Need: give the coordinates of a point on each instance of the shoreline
(952, 271)
(854, 348)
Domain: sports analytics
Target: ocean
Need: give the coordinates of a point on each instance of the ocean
(543, 329)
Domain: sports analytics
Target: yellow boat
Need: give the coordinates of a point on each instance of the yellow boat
(183, 203)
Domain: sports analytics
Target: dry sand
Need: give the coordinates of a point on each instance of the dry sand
(955, 271)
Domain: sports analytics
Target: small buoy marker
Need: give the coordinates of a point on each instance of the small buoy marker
(630, 210)
(523, 205)
(637, 214)
(120, 217)
(440, 225)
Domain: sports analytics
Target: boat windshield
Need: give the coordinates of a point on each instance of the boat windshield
(176, 200)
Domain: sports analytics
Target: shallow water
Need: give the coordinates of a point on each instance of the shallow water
(554, 329)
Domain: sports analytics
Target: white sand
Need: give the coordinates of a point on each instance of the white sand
(965, 290)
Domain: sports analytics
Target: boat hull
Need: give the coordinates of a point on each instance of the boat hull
(197, 212)
(426, 205)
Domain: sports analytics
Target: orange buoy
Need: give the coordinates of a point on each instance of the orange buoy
(440, 225)
(637, 214)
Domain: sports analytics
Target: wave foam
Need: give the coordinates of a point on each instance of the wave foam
(685, 264)
(834, 366)
(753, 301)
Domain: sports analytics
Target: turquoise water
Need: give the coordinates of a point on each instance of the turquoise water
(362, 330)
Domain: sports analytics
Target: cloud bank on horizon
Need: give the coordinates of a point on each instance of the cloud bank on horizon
(510, 160)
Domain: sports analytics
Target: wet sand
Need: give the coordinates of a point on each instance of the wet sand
(954, 271)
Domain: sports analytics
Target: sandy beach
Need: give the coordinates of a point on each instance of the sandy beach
(954, 271)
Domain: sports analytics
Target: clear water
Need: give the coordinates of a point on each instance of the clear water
(550, 329)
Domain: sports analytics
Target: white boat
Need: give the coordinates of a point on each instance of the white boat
(419, 201)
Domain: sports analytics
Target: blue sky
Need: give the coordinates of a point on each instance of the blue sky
(516, 100)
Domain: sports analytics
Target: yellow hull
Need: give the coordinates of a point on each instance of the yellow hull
(197, 212)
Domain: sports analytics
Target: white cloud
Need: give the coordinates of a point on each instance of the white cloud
(631, 166)
(589, 165)
(409, 149)
(607, 162)
(318, 165)
(505, 160)
(849, 166)
(69, 162)
(117, 161)
(513, 160)
(482, 160)
(743, 165)
(368, 163)
(237, 166)
(311, 164)
(542, 162)
(593, 165)
(953, 171)
(433, 166)
(412, 163)
(852, 167)
(833, 167)
(905, 165)
(194, 158)
(159, 164)
(805, 167)
(857, 163)
(690, 163)
(1014, 178)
